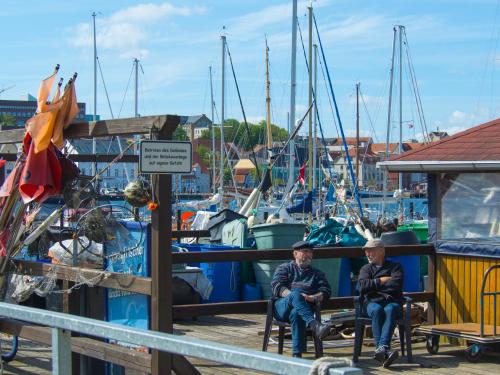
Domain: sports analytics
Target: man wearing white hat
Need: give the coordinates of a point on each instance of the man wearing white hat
(380, 282)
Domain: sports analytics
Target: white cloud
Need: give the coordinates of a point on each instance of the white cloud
(128, 30)
(459, 121)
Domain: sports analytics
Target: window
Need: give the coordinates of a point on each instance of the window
(470, 207)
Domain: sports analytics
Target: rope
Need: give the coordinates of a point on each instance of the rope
(322, 365)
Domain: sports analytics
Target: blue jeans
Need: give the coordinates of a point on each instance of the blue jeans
(294, 309)
(384, 318)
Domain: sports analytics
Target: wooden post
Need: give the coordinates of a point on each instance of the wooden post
(161, 262)
(431, 272)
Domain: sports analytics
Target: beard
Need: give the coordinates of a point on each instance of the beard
(304, 263)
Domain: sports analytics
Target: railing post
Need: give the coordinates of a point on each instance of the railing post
(61, 351)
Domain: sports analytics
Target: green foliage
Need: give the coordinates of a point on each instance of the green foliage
(204, 153)
(7, 120)
(237, 132)
(180, 134)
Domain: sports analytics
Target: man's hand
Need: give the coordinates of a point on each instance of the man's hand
(384, 279)
(313, 298)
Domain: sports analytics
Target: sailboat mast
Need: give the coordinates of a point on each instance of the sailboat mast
(293, 86)
(315, 124)
(388, 134)
(310, 157)
(212, 104)
(268, 104)
(357, 132)
(400, 100)
(223, 79)
(136, 94)
(94, 145)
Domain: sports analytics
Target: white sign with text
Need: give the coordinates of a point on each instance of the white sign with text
(165, 157)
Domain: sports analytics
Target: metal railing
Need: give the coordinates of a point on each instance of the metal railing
(63, 324)
(495, 294)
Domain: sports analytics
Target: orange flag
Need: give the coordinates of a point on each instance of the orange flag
(41, 125)
(68, 111)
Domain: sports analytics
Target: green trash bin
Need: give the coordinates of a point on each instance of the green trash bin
(273, 236)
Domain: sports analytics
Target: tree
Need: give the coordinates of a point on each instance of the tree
(204, 153)
(180, 134)
(7, 120)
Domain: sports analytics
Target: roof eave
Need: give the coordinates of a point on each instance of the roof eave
(440, 166)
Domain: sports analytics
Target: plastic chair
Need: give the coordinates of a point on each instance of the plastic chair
(404, 327)
(270, 321)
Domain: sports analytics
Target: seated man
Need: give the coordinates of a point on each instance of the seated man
(299, 285)
(381, 284)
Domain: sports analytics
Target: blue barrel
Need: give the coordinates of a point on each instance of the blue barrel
(251, 292)
(191, 247)
(345, 285)
(411, 271)
(224, 276)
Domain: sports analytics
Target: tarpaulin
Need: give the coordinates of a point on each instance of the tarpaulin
(335, 234)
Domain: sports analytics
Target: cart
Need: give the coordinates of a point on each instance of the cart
(477, 336)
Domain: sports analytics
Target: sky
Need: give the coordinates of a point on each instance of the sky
(453, 47)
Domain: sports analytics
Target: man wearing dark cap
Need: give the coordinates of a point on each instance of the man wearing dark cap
(298, 285)
(380, 282)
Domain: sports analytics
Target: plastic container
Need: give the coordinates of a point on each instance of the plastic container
(264, 272)
(338, 274)
(278, 235)
(192, 247)
(421, 230)
(273, 236)
(410, 263)
(235, 233)
(251, 292)
(224, 276)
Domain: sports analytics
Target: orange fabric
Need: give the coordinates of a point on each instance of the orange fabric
(69, 109)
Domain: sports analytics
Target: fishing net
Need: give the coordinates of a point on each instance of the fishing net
(137, 193)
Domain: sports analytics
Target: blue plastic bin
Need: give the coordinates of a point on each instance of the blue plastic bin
(411, 271)
(251, 292)
(345, 285)
(224, 276)
(191, 247)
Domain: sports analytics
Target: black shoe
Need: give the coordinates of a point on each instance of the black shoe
(392, 355)
(297, 355)
(380, 354)
(320, 330)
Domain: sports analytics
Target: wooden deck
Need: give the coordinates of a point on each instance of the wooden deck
(242, 330)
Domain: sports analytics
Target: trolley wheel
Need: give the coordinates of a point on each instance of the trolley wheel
(432, 344)
(10, 345)
(474, 352)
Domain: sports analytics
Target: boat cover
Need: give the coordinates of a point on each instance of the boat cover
(303, 206)
(217, 222)
(335, 234)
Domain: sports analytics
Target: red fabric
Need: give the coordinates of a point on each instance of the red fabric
(9, 184)
(2, 162)
(41, 175)
(302, 174)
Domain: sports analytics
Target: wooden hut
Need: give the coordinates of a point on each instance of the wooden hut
(463, 173)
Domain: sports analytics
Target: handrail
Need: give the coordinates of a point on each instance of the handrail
(182, 345)
(481, 302)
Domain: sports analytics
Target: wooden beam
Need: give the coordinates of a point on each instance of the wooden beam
(284, 254)
(104, 128)
(190, 233)
(131, 283)
(259, 307)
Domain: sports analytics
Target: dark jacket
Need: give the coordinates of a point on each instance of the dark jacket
(371, 288)
(308, 280)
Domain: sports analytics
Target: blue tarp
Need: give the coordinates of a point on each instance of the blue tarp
(335, 234)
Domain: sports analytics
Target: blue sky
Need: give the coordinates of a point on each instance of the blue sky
(453, 45)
